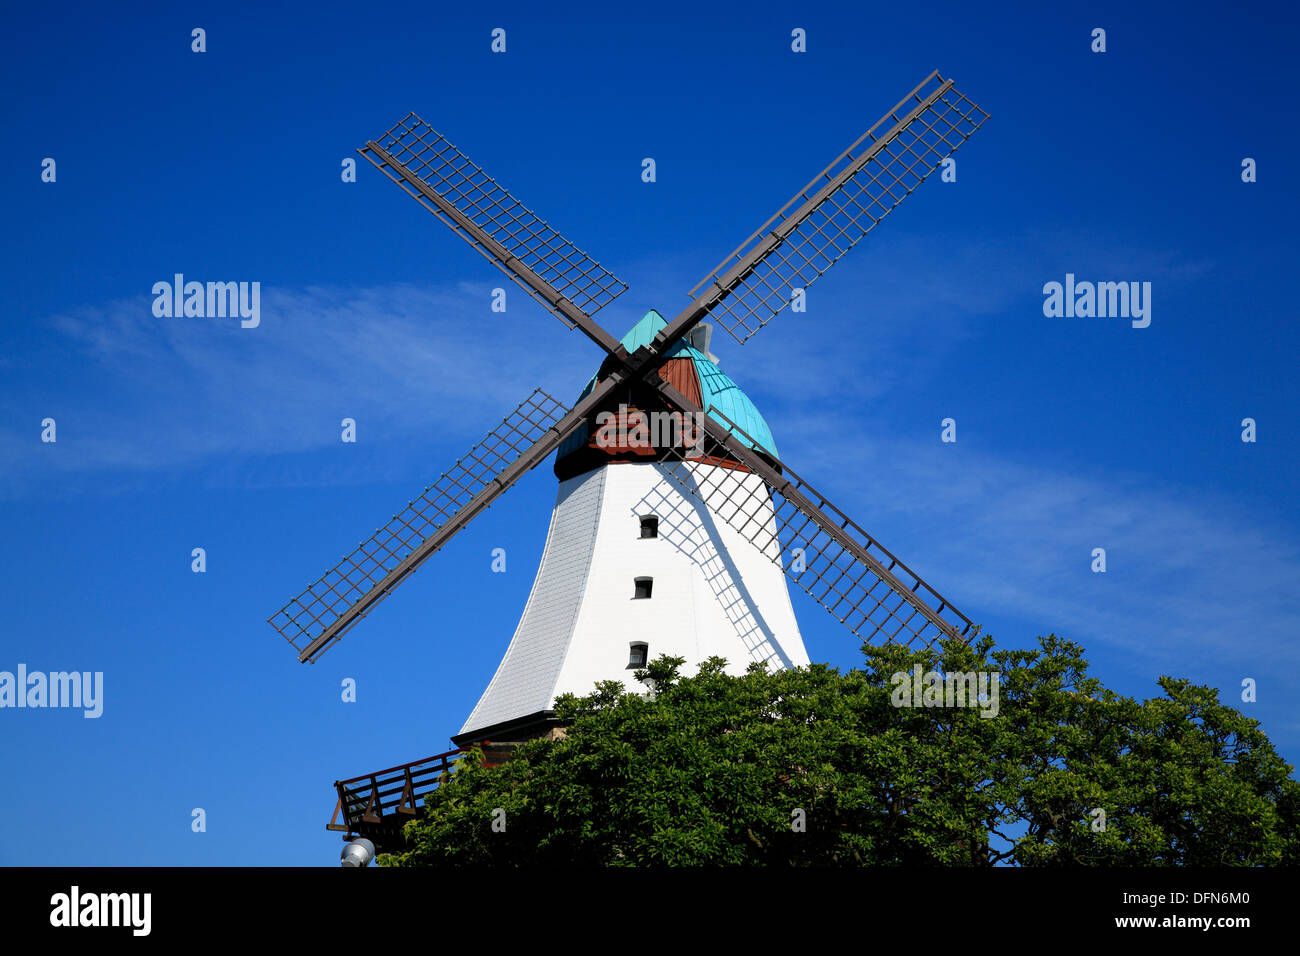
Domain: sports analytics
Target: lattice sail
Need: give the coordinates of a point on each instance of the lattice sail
(832, 213)
(520, 236)
(819, 548)
(378, 564)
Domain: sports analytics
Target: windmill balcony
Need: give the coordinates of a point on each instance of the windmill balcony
(377, 805)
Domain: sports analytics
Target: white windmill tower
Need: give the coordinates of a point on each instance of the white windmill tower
(678, 541)
(636, 565)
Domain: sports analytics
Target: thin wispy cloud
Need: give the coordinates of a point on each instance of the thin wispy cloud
(1000, 535)
(407, 363)
(1188, 572)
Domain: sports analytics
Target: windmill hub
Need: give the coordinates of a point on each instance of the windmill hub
(613, 430)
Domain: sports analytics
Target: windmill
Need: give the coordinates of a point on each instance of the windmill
(676, 525)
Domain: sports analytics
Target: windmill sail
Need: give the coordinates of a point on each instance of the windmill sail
(838, 207)
(843, 568)
(315, 619)
(555, 272)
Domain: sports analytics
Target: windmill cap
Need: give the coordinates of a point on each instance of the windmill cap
(718, 391)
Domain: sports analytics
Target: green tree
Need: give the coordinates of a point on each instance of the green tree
(717, 769)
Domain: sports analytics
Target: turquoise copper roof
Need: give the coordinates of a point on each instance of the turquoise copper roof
(717, 390)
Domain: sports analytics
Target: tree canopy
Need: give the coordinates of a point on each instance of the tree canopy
(813, 767)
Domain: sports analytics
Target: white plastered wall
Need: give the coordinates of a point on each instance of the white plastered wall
(714, 593)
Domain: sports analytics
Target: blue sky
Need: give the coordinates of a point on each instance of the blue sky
(183, 433)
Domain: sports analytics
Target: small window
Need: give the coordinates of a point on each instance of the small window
(638, 655)
(650, 527)
(643, 588)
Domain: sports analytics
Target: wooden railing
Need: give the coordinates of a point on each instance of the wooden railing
(377, 805)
